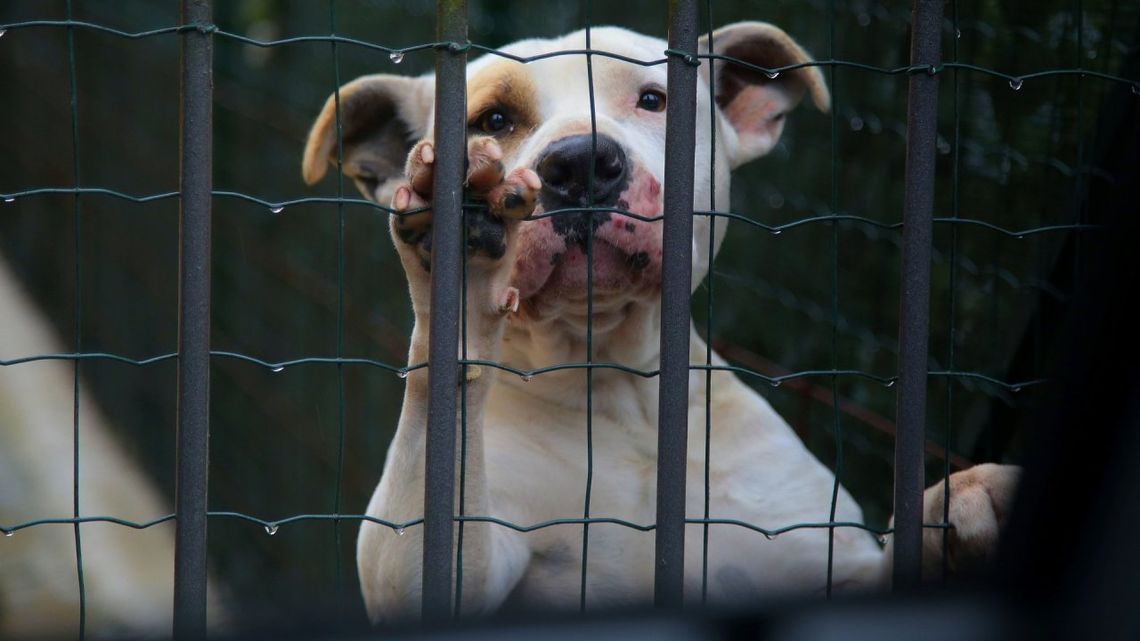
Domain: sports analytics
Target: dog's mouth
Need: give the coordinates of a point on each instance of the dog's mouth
(600, 267)
(573, 255)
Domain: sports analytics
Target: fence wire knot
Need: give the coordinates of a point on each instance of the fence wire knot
(453, 47)
(200, 27)
(930, 70)
(685, 56)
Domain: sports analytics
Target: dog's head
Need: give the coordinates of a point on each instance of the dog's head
(600, 145)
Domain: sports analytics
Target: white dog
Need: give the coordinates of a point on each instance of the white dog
(529, 151)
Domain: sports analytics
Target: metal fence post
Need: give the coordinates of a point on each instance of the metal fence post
(914, 305)
(447, 263)
(676, 275)
(196, 184)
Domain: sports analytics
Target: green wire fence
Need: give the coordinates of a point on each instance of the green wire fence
(832, 220)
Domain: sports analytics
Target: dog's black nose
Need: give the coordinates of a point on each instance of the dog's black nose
(565, 169)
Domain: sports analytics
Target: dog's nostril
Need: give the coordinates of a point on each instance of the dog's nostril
(611, 170)
(553, 171)
(572, 164)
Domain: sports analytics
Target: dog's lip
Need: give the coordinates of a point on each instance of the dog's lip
(614, 270)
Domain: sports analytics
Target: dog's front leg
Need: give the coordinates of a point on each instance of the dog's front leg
(389, 560)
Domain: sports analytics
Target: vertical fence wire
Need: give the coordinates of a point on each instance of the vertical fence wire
(676, 276)
(707, 513)
(952, 291)
(914, 312)
(1079, 167)
(835, 317)
(447, 258)
(340, 249)
(194, 321)
(463, 434)
(589, 490)
(78, 327)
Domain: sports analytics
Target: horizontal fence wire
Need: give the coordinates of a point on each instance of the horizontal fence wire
(1016, 82)
(272, 526)
(277, 207)
(527, 374)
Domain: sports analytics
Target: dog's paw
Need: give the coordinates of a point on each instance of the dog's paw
(505, 199)
(980, 500)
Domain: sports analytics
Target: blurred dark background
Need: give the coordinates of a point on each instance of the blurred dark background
(311, 439)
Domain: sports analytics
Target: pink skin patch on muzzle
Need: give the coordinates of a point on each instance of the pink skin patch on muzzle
(626, 249)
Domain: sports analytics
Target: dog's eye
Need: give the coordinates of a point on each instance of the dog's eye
(651, 100)
(494, 121)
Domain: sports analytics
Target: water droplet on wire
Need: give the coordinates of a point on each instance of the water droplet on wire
(8, 534)
(9, 199)
(776, 383)
(772, 75)
(1015, 84)
(777, 232)
(402, 373)
(958, 34)
(770, 537)
(271, 529)
(2, 32)
(278, 369)
(890, 383)
(277, 209)
(882, 539)
(399, 531)
(526, 378)
(396, 57)
(1016, 389)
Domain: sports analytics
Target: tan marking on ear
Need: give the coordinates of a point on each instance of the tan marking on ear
(322, 138)
(380, 115)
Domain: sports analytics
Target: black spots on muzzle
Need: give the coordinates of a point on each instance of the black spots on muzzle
(577, 227)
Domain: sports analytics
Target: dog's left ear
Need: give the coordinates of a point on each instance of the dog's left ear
(754, 104)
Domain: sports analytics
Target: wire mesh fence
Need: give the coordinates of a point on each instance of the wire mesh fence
(306, 384)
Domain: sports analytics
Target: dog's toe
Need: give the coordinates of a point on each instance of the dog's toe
(516, 196)
(411, 218)
(420, 169)
(484, 164)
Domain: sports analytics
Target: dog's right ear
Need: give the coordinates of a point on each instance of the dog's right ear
(381, 117)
